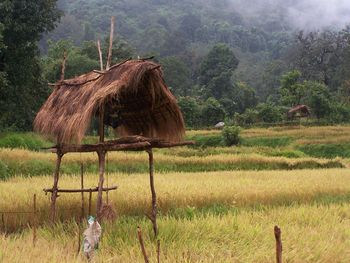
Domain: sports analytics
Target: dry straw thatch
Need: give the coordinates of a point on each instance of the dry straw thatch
(133, 96)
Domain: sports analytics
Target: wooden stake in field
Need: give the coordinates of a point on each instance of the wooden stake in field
(158, 251)
(139, 234)
(34, 219)
(277, 232)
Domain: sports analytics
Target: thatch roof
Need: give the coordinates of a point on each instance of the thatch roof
(302, 110)
(134, 96)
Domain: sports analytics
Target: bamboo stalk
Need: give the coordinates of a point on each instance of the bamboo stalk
(90, 201)
(109, 58)
(100, 54)
(63, 69)
(139, 234)
(82, 192)
(101, 164)
(89, 190)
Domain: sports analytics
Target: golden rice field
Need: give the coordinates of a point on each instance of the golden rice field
(204, 216)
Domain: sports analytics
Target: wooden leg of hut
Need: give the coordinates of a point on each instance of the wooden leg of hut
(101, 164)
(54, 194)
(153, 216)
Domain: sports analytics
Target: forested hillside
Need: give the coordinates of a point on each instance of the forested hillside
(241, 61)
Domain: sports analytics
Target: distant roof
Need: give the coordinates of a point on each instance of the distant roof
(134, 96)
(302, 109)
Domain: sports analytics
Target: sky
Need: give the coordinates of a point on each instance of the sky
(301, 14)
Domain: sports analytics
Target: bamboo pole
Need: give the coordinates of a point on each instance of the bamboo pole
(139, 234)
(101, 164)
(82, 193)
(90, 201)
(100, 54)
(63, 69)
(34, 219)
(277, 232)
(109, 58)
(153, 216)
(54, 194)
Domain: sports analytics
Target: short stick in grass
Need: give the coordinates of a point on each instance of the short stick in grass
(158, 251)
(277, 232)
(139, 234)
(34, 219)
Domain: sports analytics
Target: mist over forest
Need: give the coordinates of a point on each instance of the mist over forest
(244, 61)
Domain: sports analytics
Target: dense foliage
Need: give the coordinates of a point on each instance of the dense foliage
(223, 61)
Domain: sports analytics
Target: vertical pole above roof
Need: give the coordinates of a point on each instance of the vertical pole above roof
(63, 69)
(109, 58)
(100, 53)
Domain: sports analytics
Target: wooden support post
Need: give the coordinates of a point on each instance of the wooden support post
(82, 193)
(109, 58)
(277, 232)
(153, 216)
(90, 201)
(79, 238)
(100, 54)
(54, 194)
(139, 234)
(101, 126)
(101, 165)
(34, 219)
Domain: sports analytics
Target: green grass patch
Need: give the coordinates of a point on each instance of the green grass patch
(30, 141)
(326, 150)
(207, 140)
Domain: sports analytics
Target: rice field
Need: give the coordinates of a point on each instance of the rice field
(217, 210)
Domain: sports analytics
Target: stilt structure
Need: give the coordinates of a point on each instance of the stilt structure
(132, 98)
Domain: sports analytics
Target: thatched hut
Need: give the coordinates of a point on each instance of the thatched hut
(298, 111)
(132, 95)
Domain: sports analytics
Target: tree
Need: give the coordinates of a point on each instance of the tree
(191, 111)
(176, 75)
(318, 99)
(292, 91)
(212, 112)
(269, 113)
(23, 23)
(216, 71)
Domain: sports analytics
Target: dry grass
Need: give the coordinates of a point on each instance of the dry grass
(309, 234)
(180, 190)
(299, 132)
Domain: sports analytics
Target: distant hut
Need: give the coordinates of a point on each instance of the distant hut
(131, 97)
(299, 111)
